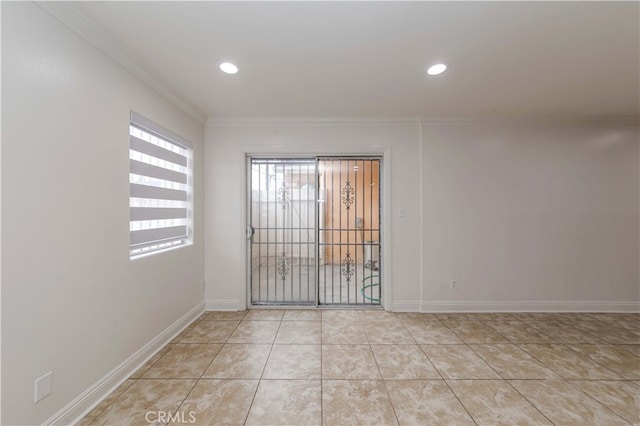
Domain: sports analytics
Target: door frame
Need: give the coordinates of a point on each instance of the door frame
(246, 153)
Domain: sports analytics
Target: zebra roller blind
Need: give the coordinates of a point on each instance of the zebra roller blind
(160, 188)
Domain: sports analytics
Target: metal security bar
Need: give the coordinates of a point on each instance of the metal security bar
(283, 231)
(315, 231)
(349, 231)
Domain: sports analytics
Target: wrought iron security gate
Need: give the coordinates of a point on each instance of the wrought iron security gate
(315, 231)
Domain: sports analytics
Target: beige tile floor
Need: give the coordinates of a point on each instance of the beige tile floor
(335, 367)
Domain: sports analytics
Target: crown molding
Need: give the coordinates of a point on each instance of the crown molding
(528, 121)
(419, 120)
(94, 34)
(306, 121)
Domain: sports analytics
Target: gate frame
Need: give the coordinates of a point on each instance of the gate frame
(246, 153)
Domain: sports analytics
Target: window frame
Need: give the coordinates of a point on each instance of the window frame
(169, 171)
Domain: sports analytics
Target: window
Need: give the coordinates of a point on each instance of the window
(160, 188)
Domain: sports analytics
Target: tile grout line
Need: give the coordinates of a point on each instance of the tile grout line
(260, 379)
(136, 379)
(516, 341)
(503, 379)
(595, 361)
(204, 370)
(449, 386)
(530, 403)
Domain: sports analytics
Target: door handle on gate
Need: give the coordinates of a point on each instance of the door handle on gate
(250, 232)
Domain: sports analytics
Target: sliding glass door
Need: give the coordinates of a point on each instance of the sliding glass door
(314, 231)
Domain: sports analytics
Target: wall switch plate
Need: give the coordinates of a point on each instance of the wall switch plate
(43, 386)
(454, 284)
(401, 212)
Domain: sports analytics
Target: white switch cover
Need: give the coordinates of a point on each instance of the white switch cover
(401, 212)
(43, 386)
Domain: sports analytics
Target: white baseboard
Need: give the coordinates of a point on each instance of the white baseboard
(224, 305)
(406, 306)
(90, 398)
(530, 306)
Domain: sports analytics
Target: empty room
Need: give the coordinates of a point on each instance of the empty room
(306, 213)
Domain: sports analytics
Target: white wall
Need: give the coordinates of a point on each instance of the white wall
(532, 216)
(72, 301)
(537, 216)
(225, 148)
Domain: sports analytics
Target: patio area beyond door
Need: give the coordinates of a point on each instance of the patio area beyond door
(314, 230)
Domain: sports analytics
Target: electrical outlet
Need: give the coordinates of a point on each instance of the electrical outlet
(454, 284)
(43, 387)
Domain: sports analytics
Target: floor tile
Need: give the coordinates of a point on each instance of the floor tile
(519, 332)
(147, 365)
(621, 397)
(376, 315)
(470, 332)
(355, 366)
(622, 362)
(349, 362)
(105, 403)
(183, 361)
(501, 316)
(215, 401)
(458, 362)
(210, 331)
(387, 333)
(556, 317)
(255, 332)
(615, 335)
(146, 396)
(344, 332)
(356, 402)
(286, 402)
(562, 333)
(403, 362)
(293, 362)
(494, 402)
(340, 315)
(224, 315)
(302, 315)
(610, 330)
(239, 361)
(429, 332)
(511, 362)
(406, 316)
(426, 402)
(264, 315)
(568, 363)
(634, 349)
(183, 333)
(451, 317)
(565, 404)
(299, 332)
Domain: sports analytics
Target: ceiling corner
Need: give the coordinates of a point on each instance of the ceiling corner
(90, 31)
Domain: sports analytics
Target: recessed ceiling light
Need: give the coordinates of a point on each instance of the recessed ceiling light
(436, 69)
(228, 67)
